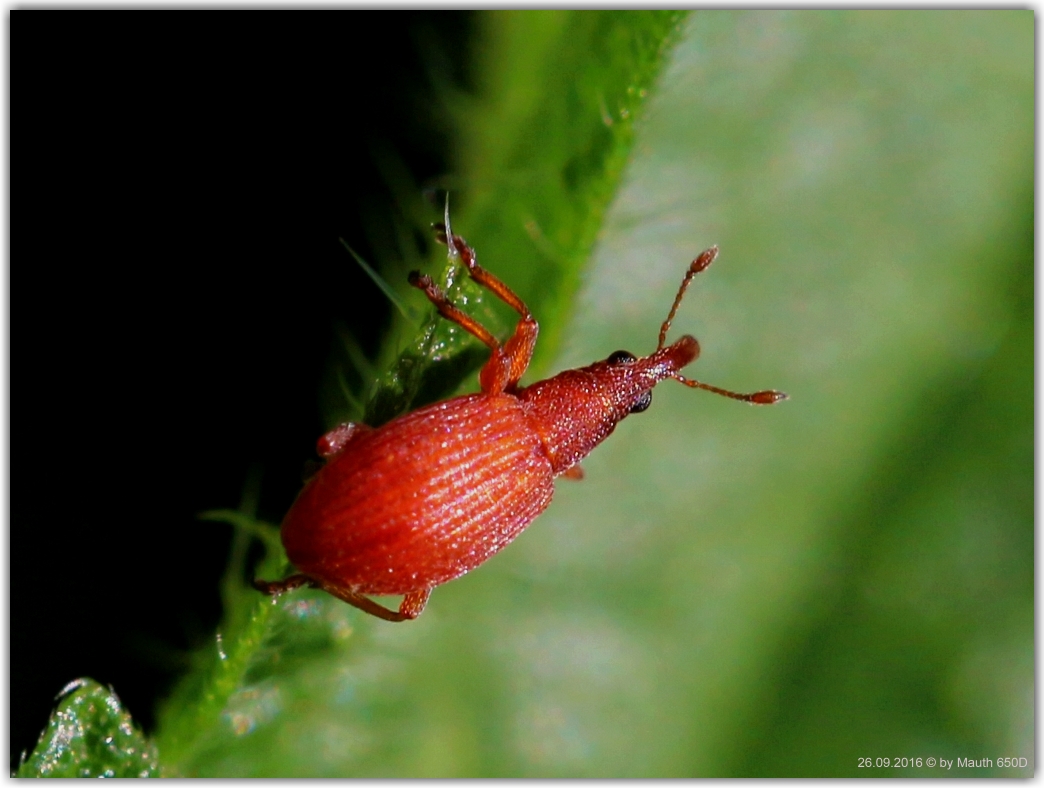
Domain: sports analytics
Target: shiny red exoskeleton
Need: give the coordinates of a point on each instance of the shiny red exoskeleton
(434, 493)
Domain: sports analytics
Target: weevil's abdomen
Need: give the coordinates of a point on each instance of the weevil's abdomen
(423, 499)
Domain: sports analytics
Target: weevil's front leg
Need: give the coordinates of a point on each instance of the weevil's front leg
(519, 348)
(496, 374)
(412, 604)
(450, 312)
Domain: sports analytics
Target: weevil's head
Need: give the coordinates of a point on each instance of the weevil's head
(577, 409)
(627, 380)
(635, 377)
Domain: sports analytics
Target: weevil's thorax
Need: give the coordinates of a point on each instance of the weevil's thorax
(577, 409)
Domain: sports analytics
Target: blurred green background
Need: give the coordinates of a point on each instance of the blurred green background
(732, 591)
(783, 591)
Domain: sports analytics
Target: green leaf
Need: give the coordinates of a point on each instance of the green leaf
(90, 735)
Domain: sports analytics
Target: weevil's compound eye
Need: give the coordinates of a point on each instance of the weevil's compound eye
(643, 403)
(621, 357)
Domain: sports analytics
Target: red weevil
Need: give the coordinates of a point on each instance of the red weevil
(406, 507)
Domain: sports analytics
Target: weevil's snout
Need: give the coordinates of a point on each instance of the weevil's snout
(681, 353)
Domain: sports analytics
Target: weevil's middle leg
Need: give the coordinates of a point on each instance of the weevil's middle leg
(412, 604)
(518, 350)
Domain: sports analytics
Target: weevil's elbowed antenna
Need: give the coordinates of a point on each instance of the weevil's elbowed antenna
(701, 263)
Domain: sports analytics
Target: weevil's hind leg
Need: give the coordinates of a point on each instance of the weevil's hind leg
(501, 373)
(411, 607)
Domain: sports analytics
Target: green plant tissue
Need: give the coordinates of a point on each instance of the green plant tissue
(90, 735)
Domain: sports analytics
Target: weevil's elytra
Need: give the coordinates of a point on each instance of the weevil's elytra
(432, 494)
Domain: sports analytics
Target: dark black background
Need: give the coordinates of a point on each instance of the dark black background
(179, 184)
